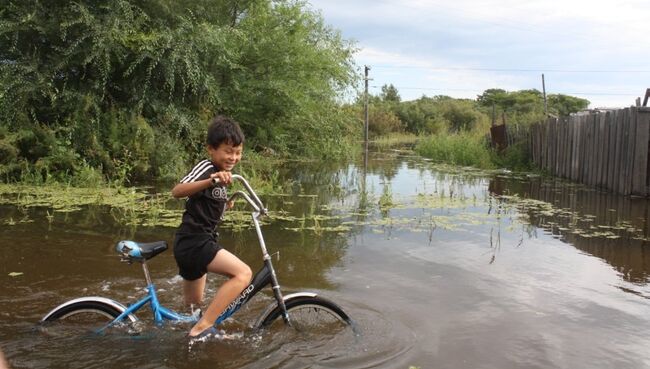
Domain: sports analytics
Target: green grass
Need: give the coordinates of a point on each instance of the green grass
(470, 149)
(396, 139)
(515, 157)
(465, 149)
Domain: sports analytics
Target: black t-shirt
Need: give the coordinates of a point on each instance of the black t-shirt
(204, 209)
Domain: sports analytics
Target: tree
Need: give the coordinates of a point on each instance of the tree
(563, 105)
(492, 96)
(101, 75)
(382, 121)
(390, 94)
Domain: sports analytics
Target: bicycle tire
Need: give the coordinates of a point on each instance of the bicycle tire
(308, 313)
(83, 317)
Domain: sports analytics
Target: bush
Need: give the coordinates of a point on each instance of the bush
(8, 152)
(112, 81)
(515, 157)
(382, 121)
(35, 142)
(463, 148)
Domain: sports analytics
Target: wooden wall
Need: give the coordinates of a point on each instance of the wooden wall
(606, 149)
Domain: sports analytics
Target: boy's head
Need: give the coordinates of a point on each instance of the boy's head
(225, 142)
(224, 129)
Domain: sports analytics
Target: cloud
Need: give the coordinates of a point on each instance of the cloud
(458, 48)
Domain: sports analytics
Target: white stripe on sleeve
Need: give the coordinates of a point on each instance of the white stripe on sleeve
(197, 171)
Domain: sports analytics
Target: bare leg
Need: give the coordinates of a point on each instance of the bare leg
(240, 274)
(193, 291)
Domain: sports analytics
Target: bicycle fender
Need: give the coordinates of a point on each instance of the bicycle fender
(274, 305)
(98, 299)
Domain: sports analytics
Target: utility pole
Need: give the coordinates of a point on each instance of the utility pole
(544, 91)
(365, 130)
(365, 121)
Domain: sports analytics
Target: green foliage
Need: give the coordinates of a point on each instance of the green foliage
(441, 114)
(527, 106)
(395, 139)
(382, 121)
(105, 84)
(456, 128)
(390, 93)
(515, 157)
(461, 115)
(563, 105)
(465, 148)
(422, 116)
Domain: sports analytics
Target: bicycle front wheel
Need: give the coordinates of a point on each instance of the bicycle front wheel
(309, 314)
(85, 316)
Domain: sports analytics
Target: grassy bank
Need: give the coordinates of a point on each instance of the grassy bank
(466, 149)
(396, 139)
(471, 149)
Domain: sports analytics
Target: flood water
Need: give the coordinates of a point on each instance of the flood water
(440, 268)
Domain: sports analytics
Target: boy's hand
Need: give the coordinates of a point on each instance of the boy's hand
(224, 177)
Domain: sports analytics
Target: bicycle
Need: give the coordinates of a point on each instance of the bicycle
(300, 310)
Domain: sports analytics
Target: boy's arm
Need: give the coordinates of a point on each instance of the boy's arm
(190, 188)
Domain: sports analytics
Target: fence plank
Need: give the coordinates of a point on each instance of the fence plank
(551, 146)
(631, 142)
(602, 163)
(642, 137)
(620, 118)
(609, 150)
(629, 151)
(589, 154)
(560, 151)
(574, 147)
(597, 138)
(542, 145)
(584, 148)
(593, 177)
(609, 116)
(623, 158)
(565, 147)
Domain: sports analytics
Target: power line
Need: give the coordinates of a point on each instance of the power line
(526, 70)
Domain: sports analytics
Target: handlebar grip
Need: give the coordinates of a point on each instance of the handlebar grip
(215, 181)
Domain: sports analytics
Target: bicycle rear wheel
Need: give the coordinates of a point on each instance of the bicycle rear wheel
(309, 314)
(85, 316)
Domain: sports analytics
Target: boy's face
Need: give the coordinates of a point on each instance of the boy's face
(225, 156)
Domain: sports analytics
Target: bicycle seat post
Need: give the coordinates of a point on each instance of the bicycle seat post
(147, 277)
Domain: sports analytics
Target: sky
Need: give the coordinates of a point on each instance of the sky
(597, 50)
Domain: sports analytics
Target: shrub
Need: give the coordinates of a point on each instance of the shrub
(8, 152)
(463, 148)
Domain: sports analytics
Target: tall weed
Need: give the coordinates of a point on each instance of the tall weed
(464, 148)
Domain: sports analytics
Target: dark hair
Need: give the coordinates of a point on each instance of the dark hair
(224, 129)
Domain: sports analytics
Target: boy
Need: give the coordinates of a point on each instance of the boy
(195, 247)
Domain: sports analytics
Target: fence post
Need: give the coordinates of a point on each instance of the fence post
(642, 136)
(623, 179)
(575, 147)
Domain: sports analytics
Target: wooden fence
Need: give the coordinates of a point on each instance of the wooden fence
(606, 149)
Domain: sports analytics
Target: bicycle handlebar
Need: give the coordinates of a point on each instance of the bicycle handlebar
(253, 200)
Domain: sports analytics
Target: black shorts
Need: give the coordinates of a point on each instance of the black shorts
(193, 252)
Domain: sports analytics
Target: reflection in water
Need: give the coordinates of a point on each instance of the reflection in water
(440, 266)
(611, 227)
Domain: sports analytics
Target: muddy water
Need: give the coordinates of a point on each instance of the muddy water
(440, 268)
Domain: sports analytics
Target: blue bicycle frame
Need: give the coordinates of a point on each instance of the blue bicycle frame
(130, 251)
(160, 313)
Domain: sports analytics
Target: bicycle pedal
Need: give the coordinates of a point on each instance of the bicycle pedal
(197, 314)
